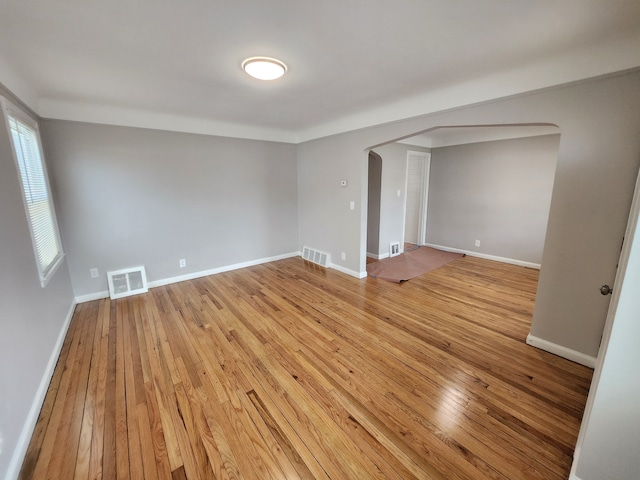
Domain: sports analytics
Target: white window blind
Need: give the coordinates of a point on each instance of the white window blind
(36, 192)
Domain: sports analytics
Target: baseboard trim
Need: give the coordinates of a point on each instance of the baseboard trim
(227, 268)
(15, 464)
(348, 271)
(574, 465)
(378, 257)
(512, 261)
(564, 352)
(92, 296)
(191, 276)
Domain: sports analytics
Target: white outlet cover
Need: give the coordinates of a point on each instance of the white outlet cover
(477, 243)
(94, 272)
(352, 205)
(183, 262)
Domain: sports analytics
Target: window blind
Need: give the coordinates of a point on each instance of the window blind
(37, 198)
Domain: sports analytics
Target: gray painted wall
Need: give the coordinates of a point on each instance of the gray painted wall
(598, 160)
(132, 196)
(31, 317)
(373, 208)
(497, 192)
(394, 178)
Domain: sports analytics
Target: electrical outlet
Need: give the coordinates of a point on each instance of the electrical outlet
(343, 256)
(352, 205)
(183, 262)
(94, 272)
(477, 243)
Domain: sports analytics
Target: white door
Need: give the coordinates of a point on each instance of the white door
(417, 195)
(609, 441)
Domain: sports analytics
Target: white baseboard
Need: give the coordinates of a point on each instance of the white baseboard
(561, 351)
(92, 296)
(190, 276)
(512, 261)
(574, 464)
(38, 400)
(378, 257)
(227, 268)
(348, 271)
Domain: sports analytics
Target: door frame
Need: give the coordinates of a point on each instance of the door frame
(424, 197)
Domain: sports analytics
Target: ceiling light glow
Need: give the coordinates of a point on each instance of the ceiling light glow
(264, 68)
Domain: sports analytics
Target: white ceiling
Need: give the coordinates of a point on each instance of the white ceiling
(352, 63)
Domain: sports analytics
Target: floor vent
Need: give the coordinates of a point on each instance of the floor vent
(315, 256)
(129, 281)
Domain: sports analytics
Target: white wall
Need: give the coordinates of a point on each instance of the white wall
(598, 160)
(498, 192)
(132, 196)
(32, 318)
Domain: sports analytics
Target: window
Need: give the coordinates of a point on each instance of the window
(32, 172)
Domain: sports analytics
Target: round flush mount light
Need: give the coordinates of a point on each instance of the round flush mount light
(264, 68)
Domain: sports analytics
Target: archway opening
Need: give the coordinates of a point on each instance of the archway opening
(490, 190)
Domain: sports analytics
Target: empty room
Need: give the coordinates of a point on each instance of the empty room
(192, 196)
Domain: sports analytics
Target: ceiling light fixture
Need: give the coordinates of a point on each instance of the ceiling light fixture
(264, 68)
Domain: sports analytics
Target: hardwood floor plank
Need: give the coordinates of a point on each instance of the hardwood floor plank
(121, 434)
(221, 452)
(68, 435)
(132, 369)
(109, 439)
(159, 431)
(98, 426)
(292, 464)
(83, 459)
(166, 449)
(289, 370)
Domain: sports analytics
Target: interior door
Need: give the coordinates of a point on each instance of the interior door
(417, 195)
(607, 445)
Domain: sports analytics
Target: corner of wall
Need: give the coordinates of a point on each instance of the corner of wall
(32, 418)
(348, 271)
(564, 352)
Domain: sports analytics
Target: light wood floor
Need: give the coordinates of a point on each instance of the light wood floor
(285, 370)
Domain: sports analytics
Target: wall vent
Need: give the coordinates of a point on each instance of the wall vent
(315, 256)
(394, 249)
(129, 281)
